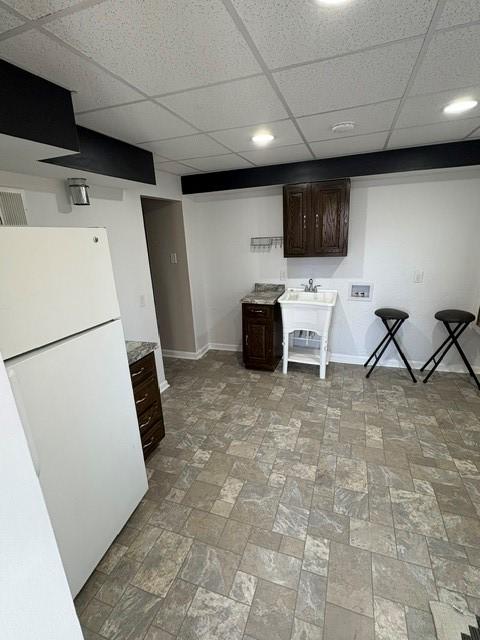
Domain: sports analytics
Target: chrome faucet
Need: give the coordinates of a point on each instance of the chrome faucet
(310, 288)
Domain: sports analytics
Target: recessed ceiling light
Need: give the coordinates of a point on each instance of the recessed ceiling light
(332, 3)
(341, 127)
(460, 106)
(262, 138)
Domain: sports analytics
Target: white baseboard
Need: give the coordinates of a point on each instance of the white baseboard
(184, 355)
(164, 386)
(398, 364)
(341, 358)
(220, 346)
(196, 355)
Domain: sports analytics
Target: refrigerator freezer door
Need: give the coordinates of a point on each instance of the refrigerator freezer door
(78, 401)
(53, 283)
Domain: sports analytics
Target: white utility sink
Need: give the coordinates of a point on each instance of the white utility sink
(328, 297)
(307, 311)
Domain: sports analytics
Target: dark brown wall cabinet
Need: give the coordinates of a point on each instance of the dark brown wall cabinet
(315, 218)
(262, 336)
(148, 403)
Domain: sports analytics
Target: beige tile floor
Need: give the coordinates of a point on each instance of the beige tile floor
(288, 507)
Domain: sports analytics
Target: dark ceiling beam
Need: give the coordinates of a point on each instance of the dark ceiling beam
(109, 157)
(437, 156)
(35, 109)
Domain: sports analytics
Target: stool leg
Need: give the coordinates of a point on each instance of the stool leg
(285, 353)
(390, 332)
(462, 355)
(376, 349)
(405, 361)
(457, 332)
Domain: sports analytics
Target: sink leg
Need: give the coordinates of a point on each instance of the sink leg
(323, 359)
(285, 353)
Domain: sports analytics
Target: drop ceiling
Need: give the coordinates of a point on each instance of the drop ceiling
(193, 80)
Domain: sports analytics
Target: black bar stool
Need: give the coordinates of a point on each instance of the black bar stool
(452, 317)
(398, 318)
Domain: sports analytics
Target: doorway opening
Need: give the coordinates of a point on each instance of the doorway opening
(167, 254)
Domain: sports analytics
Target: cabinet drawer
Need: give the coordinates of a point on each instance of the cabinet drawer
(151, 439)
(142, 369)
(146, 394)
(150, 417)
(259, 311)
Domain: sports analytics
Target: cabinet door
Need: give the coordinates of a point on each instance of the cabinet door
(258, 341)
(296, 206)
(329, 213)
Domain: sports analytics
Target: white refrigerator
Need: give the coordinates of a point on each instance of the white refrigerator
(62, 341)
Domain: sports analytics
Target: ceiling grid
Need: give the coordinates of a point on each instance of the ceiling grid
(193, 80)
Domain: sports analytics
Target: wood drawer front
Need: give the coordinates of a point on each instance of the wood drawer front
(151, 439)
(145, 394)
(259, 311)
(150, 417)
(142, 369)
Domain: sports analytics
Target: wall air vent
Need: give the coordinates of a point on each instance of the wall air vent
(12, 211)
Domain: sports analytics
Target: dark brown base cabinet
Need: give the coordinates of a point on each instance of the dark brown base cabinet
(148, 403)
(315, 218)
(262, 336)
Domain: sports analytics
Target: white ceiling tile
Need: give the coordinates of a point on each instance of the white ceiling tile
(349, 146)
(475, 134)
(451, 61)
(432, 133)
(284, 132)
(429, 109)
(218, 163)
(135, 122)
(357, 79)
(176, 168)
(289, 32)
(160, 46)
(279, 155)
(459, 12)
(43, 56)
(234, 104)
(367, 119)
(157, 159)
(39, 8)
(8, 21)
(187, 147)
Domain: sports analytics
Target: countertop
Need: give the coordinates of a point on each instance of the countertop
(136, 350)
(264, 293)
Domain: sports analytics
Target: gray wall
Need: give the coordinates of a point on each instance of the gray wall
(171, 284)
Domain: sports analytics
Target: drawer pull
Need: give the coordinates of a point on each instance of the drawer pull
(142, 399)
(138, 373)
(151, 441)
(144, 424)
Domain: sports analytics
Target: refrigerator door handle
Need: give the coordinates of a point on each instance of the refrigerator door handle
(26, 425)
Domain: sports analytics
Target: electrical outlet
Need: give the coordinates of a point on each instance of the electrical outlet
(418, 276)
(283, 274)
(143, 302)
(173, 258)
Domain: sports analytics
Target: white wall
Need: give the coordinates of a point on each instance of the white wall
(120, 212)
(429, 222)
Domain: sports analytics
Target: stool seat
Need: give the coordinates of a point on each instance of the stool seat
(391, 314)
(454, 315)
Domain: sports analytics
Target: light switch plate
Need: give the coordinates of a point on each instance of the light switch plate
(418, 276)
